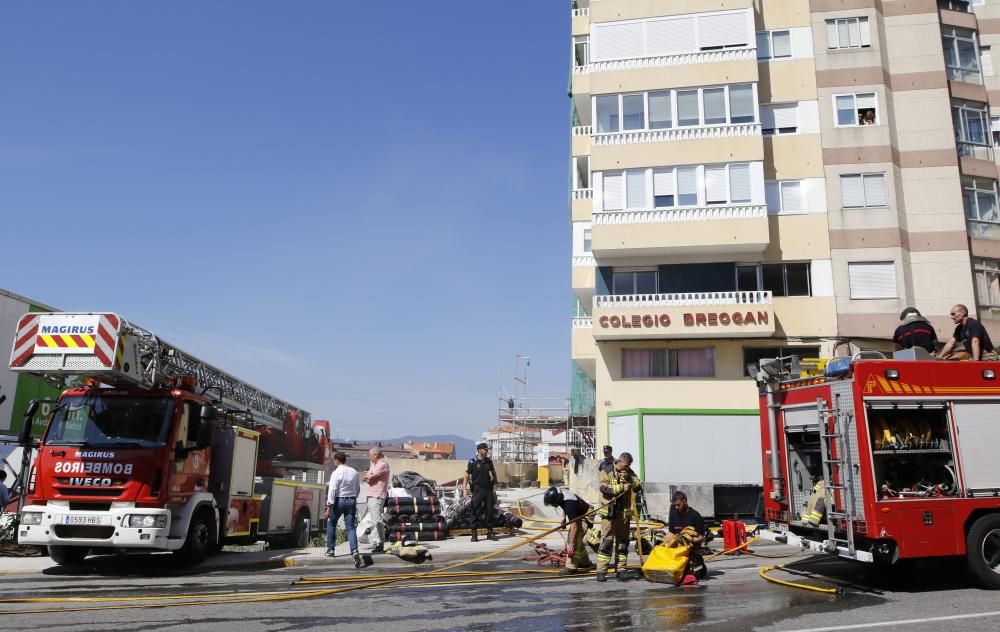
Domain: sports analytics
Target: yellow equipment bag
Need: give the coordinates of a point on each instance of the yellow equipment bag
(667, 562)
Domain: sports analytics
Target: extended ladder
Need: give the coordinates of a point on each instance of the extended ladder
(837, 475)
(56, 346)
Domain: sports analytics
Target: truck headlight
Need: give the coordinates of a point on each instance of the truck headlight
(31, 517)
(147, 522)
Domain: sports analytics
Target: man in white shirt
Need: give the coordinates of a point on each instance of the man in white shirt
(342, 500)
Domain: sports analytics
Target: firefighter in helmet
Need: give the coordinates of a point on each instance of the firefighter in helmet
(574, 509)
(617, 490)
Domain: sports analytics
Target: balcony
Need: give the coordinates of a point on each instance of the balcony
(689, 315)
(581, 140)
(662, 61)
(677, 134)
(706, 230)
(583, 347)
(584, 278)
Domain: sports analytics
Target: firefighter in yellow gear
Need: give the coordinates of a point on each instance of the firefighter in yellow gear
(816, 506)
(617, 487)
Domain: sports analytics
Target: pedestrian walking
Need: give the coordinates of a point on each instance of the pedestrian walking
(481, 479)
(342, 500)
(377, 478)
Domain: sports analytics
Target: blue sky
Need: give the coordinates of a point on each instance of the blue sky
(358, 206)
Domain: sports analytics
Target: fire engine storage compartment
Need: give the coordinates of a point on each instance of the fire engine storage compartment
(801, 423)
(912, 449)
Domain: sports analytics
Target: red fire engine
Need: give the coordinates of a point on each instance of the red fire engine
(158, 450)
(906, 449)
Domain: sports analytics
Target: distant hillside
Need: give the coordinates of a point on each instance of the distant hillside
(464, 448)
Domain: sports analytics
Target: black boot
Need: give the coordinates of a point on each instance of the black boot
(475, 536)
(491, 536)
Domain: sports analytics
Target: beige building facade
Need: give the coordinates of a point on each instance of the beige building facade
(761, 177)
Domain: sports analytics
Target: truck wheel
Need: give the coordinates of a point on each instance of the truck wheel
(200, 542)
(982, 550)
(67, 555)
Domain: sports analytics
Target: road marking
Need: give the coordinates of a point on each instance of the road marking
(885, 624)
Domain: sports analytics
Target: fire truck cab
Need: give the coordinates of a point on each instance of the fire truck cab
(907, 452)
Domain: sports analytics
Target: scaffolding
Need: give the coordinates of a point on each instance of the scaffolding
(525, 422)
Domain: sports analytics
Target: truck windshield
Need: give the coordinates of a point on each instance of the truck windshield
(111, 421)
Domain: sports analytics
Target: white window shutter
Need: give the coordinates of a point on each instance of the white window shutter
(687, 180)
(832, 38)
(767, 116)
(670, 36)
(716, 187)
(865, 100)
(614, 191)
(866, 33)
(852, 194)
(739, 184)
(791, 196)
(786, 115)
(772, 195)
(727, 29)
(986, 60)
(597, 182)
(617, 41)
(854, 34)
(875, 194)
(872, 280)
(763, 46)
(663, 182)
(781, 44)
(635, 188)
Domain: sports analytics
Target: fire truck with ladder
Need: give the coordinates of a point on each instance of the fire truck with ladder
(905, 453)
(158, 450)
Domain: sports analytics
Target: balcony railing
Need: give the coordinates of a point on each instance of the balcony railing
(585, 322)
(583, 261)
(975, 150)
(681, 133)
(682, 59)
(581, 13)
(684, 299)
(582, 194)
(583, 130)
(652, 216)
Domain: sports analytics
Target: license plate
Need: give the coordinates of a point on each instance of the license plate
(87, 520)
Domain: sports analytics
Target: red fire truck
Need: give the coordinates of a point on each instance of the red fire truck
(159, 450)
(907, 450)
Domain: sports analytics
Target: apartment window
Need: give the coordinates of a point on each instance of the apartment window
(995, 130)
(654, 363)
(986, 60)
(874, 279)
(687, 186)
(624, 189)
(856, 109)
(774, 45)
(671, 35)
(635, 188)
(987, 274)
(660, 110)
(848, 33)
(607, 114)
(781, 279)
(633, 112)
(741, 109)
(865, 190)
(714, 105)
(979, 196)
(633, 282)
(677, 186)
(785, 196)
(739, 184)
(780, 118)
(956, 5)
(687, 108)
(961, 55)
(581, 50)
(753, 355)
(587, 240)
(663, 188)
(655, 110)
(581, 172)
(972, 129)
(723, 30)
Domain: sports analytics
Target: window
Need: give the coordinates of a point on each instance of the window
(741, 109)
(607, 114)
(663, 188)
(687, 186)
(781, 279)
(587, 240)
(856, 109)
(614, 190)
(785, 196)
(723, 30)
(979, 196)
(995, 130)
(635, 188)
(581, 52)
(774, 45)
(739, 184)
(687, 108)
(986, 60)
(782, 118)
(581, 172)
(714, 105)
(660, 110)
(671, 35)
(848, 33)
(753, 355)
(972, 130)
(633, 282)
(633, 112)
(961, 55)
(677, 186)
(863, 190)
(716, 189)
(650, 363)
(987, 273)
(875, 279)
(956, 5)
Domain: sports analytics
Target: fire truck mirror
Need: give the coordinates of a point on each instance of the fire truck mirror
(208, 412)
(24, 437)
(206, 427)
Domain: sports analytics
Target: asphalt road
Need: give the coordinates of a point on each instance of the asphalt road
(932, 597)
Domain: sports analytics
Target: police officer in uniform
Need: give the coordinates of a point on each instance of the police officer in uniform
(481, 478)
(607, 464)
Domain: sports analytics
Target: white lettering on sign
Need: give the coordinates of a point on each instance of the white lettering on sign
(96, 455)
(89, 467)
(90, 482)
